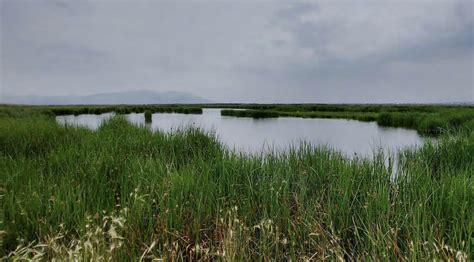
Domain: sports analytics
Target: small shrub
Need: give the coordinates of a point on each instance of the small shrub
(148, 116)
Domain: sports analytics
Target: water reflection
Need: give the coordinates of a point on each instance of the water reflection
(91, 121)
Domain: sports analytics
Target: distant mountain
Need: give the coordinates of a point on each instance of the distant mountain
(129, 97)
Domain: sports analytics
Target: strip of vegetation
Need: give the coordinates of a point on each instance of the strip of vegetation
(426, 119)
(19, 111)
(373, 108)
(124, 109)
(249, 113)
(124, 192)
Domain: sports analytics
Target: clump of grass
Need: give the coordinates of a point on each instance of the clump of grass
(147, 116)
(100, 239)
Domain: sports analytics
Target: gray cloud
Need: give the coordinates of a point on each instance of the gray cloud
(272, 51)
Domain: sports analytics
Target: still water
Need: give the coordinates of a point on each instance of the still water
(249, 135)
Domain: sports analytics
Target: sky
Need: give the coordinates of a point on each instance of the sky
(331, 51)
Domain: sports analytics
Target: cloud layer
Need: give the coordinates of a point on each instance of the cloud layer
(242, 51)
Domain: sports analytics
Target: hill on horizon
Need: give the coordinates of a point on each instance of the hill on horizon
(127, 97)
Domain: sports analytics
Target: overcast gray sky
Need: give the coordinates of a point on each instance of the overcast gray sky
(242, 51)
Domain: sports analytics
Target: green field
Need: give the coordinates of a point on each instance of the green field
(124, 192)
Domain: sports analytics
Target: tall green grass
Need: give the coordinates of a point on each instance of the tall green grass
(124, 192)
(433, 123)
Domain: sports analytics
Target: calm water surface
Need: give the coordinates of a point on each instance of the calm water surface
(250, 135)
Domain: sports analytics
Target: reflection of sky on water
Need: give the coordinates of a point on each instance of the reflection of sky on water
(91, 121)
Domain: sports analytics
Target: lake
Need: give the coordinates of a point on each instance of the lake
(350, 137)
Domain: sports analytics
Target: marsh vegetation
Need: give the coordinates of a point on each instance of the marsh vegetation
(124, 191)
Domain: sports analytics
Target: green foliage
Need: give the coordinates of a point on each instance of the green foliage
(148, 116)
(122, 109)
(124, 192)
